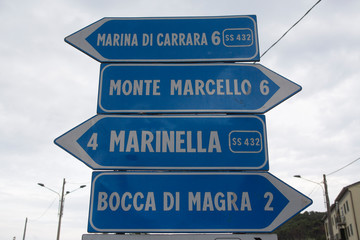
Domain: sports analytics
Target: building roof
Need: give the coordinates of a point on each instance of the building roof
(344, 190)
(340, 196)
(342, 193)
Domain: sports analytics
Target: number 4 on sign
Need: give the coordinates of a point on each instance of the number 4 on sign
(93, 142)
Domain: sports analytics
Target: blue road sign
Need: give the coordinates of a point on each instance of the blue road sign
(164, 88)
(225, 236)
(169, 39)
(191, 202)
(169, 142)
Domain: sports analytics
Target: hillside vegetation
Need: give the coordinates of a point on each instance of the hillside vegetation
(304, 226)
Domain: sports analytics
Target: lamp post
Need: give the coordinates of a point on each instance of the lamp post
(61, 202)
(26, 219)
(328, 212)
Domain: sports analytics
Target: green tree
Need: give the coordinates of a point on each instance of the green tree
(304, 226)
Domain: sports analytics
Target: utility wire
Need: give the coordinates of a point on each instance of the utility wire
(343, 167)
(290, 28)
(78, 183)
(36, 219)
(279, 41)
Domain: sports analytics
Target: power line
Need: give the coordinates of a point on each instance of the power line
(343, 167)
(36, 219)
(78, 183)
(290, 28)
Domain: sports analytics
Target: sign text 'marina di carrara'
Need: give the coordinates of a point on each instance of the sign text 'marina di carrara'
(170, 39)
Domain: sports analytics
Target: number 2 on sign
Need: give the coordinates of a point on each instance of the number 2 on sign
(270, 197)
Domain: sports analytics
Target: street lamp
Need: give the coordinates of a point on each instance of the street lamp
(328, 213)
(61, 202)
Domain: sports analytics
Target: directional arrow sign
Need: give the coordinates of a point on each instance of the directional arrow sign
(172, 39)
(259, 236)
(191, 202)
(164, 88)
(169, 142)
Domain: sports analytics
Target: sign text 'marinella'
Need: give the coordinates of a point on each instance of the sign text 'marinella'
(169, 142)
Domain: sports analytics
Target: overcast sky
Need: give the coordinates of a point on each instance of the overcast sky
(48, 87)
